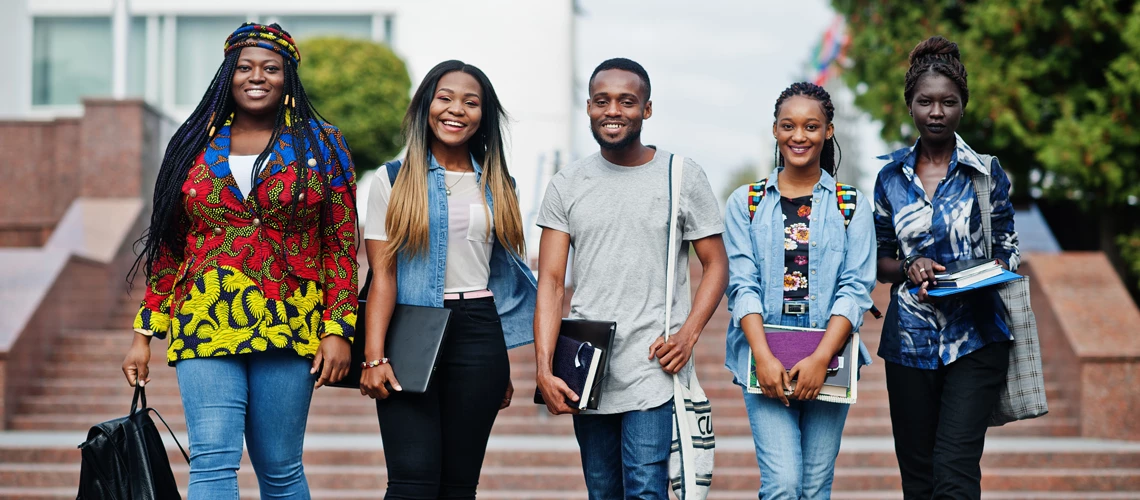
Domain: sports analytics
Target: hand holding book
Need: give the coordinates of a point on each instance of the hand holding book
(809, 375)
(772, 378)
(963, 276)
(924, 269)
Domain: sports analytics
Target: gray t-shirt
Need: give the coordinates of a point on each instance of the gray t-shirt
(617, 219)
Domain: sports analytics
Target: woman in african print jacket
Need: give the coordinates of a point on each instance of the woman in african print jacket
(251, 266)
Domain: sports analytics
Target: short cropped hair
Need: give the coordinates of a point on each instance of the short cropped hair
(624, 65)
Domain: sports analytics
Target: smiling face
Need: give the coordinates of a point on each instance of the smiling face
(801, 130)
(258, 81)
(617, 107)
(456, 108)
(936, 107)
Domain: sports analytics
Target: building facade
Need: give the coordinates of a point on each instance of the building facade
(58, 52)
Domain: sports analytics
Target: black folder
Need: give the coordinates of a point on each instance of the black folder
(413, 343)
(598, 333)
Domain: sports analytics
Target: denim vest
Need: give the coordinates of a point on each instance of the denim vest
(419, 279)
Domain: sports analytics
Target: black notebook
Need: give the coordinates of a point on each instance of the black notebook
(578, 370)
(413, 343)
(597, 337)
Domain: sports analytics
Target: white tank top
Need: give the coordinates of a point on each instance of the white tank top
(470, 231)
(241, 167)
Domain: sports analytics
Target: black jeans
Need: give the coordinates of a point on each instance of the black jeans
(434, 442)
(939, 422)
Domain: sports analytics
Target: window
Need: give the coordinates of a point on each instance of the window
(198, 52)
(71, 59)
(136, 57)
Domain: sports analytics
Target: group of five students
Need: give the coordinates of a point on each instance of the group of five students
(251, 266)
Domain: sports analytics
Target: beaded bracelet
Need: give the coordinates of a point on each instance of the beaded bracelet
(364, 365)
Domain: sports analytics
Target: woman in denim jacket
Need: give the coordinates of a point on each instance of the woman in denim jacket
(793, 262)
(447, 233)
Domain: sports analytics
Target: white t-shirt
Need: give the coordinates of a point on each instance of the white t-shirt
(241, 167)
(470, 233)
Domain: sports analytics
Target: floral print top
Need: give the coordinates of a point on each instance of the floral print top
(797, 234)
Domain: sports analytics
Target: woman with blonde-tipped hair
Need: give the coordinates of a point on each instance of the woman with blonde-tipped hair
(444, 230)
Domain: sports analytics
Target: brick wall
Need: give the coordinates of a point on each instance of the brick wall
(47, 164)
(37, 185)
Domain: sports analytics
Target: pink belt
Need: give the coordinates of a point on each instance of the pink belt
(477, 294)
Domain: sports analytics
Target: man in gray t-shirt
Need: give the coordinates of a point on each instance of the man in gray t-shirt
(613, 208)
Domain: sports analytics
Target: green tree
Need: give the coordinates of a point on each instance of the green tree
(363, 88)
(1053, 83)
(1054, 86)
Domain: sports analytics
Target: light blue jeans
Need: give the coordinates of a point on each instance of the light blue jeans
(626, 455)
(263, 397)
(796, 446)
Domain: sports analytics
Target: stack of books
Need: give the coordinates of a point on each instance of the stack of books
(964, 273)
(967, 275)
(840, 385)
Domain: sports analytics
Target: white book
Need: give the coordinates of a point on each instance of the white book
(595, 363)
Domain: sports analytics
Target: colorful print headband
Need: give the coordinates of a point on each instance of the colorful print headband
(270, 37)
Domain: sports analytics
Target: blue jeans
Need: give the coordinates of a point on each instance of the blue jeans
(263, 397)
(626, 455)
(796, 446)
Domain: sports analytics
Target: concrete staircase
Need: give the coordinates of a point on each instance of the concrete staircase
(532, 454)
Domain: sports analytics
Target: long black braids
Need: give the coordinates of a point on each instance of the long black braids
(296, 115)
(832, 154)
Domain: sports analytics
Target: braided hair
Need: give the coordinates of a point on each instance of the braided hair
(938, 55)
(828, 159)
(296, 116)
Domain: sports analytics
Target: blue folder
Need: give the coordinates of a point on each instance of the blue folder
(1004, 277)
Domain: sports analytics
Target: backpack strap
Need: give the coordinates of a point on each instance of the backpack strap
(755, 194)
(846, 197)
(393, 168)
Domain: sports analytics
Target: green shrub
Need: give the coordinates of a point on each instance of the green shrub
(363, 88)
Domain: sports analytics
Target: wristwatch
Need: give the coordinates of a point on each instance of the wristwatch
(905, 266)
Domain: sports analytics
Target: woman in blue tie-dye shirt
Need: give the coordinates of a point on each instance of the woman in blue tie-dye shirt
(947, 358)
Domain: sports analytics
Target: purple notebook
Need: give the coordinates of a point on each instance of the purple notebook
(792, 346)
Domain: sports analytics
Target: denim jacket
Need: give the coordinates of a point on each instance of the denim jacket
(419, 279)
(841, 262)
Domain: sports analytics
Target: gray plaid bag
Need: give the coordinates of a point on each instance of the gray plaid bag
(1023, 395)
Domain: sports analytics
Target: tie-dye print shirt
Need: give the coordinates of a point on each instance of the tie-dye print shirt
(945, 229)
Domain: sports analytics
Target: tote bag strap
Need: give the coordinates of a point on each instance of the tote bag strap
(676, 167)
(684, 434)
(983, 188)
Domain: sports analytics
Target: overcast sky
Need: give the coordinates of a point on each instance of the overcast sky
(717, 67)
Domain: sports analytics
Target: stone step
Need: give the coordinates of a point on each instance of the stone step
(537, 423)
(110, 382)
(348, 402)
(564, 478)
(366, 450)
(49, 493)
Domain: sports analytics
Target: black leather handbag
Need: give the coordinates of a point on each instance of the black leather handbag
(124, 458)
